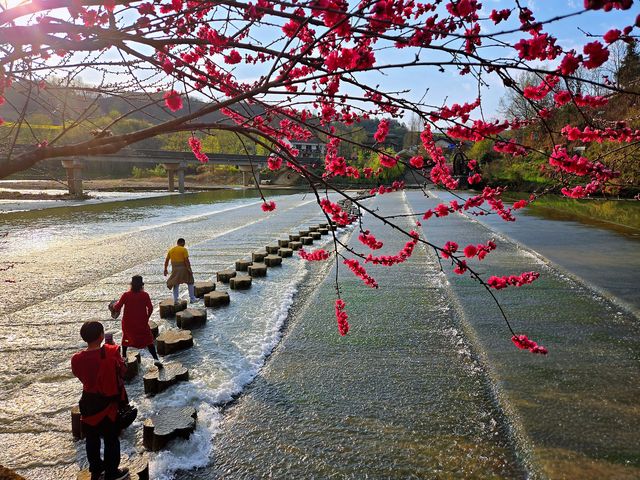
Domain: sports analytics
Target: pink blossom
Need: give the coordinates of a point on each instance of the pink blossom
(341, 317)
(470, 251)
(173, 101)
(523, 343)
(315, 256)
(268, 206)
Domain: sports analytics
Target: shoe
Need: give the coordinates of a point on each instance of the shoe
(120, 474)
(97, 475)
(158, 364)
(194, 300)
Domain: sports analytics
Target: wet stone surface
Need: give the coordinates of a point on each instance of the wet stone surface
(306, 240)
(283, 243)
(171, 341)
(225, 275)
(294, 238)
(323, 231)
(273, 260)
(191, 318)
(241, 282)
(315, 235)
(258, 256)
(133, 365)
(303, 233)
(216, 299)
(169, 308)
(285, 252)
(200, 288)
(313, 229)
(155, 331)
(167, 424)
(297, 245)
(157, 380)
(271, 249)
(258, 270)
(242, 265)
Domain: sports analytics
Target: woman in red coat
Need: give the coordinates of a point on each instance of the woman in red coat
(136, 332)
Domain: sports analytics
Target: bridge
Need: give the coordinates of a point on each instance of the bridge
(174, 162)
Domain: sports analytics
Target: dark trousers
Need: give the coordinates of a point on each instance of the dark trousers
(151, 348)
(109, 431)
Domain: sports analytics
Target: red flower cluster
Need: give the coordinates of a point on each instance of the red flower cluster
(387, 161)
(341, 317)
(622, 134)
(382, 131)
(455, 111)
(402, 256)
(540, 47)
(479, 130)
(499, 16)
(196, 148)
(369, 240)
(498, 283)
(268, 206)
(473, 179)
(360, 272)
(538, 92)
(172, 100)
(464, 9)
(440, 173)
(461, 267)
(395, 186)
(511, 147)
(449, 249)
(563, 97)
(597, 55)
(579, 166)
(416, 162)
(337, 214)
(480, 250)
(523, 343)
(315, 256)
(274, 163)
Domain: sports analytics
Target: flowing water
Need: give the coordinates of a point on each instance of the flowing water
(426, 385)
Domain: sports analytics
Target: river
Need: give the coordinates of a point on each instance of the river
(426, 385)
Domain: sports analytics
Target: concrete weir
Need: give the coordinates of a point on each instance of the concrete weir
(191, 318)
(285, 252)
(258, 270)
(225, 275)
(171, 341)
(167, 424)
(157, 380)
(169, 308)
(200, 288)
(216, 299)
(273, 260)
(240, 282)
(242, 265)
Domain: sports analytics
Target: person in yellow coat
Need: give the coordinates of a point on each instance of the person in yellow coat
(180, 270)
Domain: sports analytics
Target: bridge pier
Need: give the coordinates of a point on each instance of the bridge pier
(172, 168)
(74, 176)
(253, 178)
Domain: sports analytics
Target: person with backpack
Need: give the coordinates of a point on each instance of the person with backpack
(101, 370)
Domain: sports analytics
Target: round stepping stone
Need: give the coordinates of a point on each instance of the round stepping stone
(157, 380)
(241, 282)
(167, 424)
(258, 256)
(225, 275)
(315, 235)
(272, 249)
(295, 245)
(273, 260)
(138, 469)
(258, 270)
(283, 243)
(332, 227)
(133, 365)
(323, 225)
(303, 233)
(242, 265)
(76, 424)
(200, 288)
(154, 329)
(306, 240)
(323, 231)
(313, 229)
(168, 308)
(216, 299)
(285, 252)
(171, 341)
(191, 318)
(294, 238)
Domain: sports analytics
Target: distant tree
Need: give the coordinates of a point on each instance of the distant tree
(628, 75)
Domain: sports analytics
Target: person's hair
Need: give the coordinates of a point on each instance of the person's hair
(136, 283)
(91, 331)
(181, 241)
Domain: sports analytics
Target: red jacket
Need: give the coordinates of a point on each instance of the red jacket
(135, 321)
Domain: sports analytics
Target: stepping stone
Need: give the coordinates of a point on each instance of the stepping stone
(283, 243)
(273, 260)
(271, 249)
(169, 309)
(303, 233)
(167, 424)
(313, 229)
(171, 341)
(294, 238)
(241, 282)
(191, 318)
(258, 256)
(242, 265)
(295, 245)
(133, 365)
(7, 474)
(225, 275)
(306, 240)
(200, 288)
(258, 270)
(332, 227)
(154, 329)
(315, 235)
(285, 252)
(216, 299)
(138, 469)
(157, 380)
(323, 225)
(76, 424)
(323, 231)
